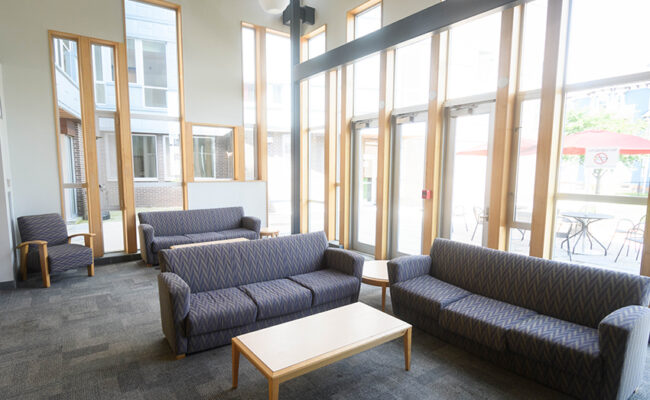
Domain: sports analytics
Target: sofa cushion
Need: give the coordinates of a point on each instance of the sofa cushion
(219, 309)
(278, 297)
(482, 319)
(426, 294)
(571, 347)
(328, 285)
(205, 237)
(165, 242)
(182, 222)
(239, 233)
(67, 256)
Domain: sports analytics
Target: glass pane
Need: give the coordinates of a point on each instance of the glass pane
(213, 152)
(316, 45)
(532, 53)
(366, 185)
(412, 74)
(68, 98)
(154, 105)
(279, 181)
(474, 57)
(107, 174)
(526, 165)
(367, 21)
(278, 85)
(366, 86)
(605, 143)
(278, 90)
(250, 153)
(316, 93)
(412, 148)
(316, 180)
(144, 156)
(250, 116)
(76, 212)
(605, 40)
(468, 212)
(606, 235)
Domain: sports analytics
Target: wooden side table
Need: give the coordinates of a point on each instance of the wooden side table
(375, 273)
(269, 232)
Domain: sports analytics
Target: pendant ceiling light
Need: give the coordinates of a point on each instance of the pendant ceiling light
(274, 6)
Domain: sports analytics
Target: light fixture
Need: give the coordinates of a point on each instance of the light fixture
(274, 7)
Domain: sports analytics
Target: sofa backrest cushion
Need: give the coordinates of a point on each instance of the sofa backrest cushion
(220, 266)
(48, 227)
(580, 294)
(180, 222)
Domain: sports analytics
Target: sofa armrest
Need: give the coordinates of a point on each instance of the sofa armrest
(623, 337)
(408, 267)
(345, 261)
(174, 295)
(146, 238)
(252, 223)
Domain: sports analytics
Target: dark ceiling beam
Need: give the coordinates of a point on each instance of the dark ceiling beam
(435, 18)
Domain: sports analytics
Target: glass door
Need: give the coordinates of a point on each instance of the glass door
(409, 163)
(103, 60)
(71, 142)
(364, 187)
(466, 190)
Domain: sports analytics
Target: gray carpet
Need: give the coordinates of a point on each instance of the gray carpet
(95, 338)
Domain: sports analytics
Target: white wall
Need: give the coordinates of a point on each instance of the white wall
(212, 75)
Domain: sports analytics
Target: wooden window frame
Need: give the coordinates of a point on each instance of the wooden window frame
(238, 151)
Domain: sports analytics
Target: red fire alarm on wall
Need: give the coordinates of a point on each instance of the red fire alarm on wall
(426, 194)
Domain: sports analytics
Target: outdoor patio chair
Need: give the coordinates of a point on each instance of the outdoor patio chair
(480, 217)
(634, 236)
(566, 229)
(623, 225)
(46, 247)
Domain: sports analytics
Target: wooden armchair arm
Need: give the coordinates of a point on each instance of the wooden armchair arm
(30, 242)
(87, 238)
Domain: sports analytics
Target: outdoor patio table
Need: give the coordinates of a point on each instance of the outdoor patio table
(584, 220)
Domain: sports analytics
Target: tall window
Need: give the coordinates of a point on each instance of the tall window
(278, 101)
(527, 125)
(152, 61)
(250, 102)
(316, 139)
(604, 170)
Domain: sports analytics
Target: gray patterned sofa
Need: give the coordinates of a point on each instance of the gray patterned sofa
(209, 294)
(581, 330)
(162, 229)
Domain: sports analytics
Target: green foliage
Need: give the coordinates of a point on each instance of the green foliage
(582, 121)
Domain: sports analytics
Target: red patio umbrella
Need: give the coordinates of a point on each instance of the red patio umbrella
(575, 144)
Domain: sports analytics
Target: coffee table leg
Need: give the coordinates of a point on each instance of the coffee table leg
(383, 298)
(407, 349)
(274, 389)
(235, 365)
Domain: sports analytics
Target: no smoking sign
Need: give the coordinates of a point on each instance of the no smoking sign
(601, 157)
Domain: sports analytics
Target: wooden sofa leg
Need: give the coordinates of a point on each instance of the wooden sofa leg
(45, 273)
(91, 269)
(180, 356)
(23, 262)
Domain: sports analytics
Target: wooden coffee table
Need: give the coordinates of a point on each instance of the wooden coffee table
(224, 241)
(288, 350)
(269, 232)
(375, 273)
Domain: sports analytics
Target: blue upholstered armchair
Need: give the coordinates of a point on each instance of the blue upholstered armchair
(46, 247)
